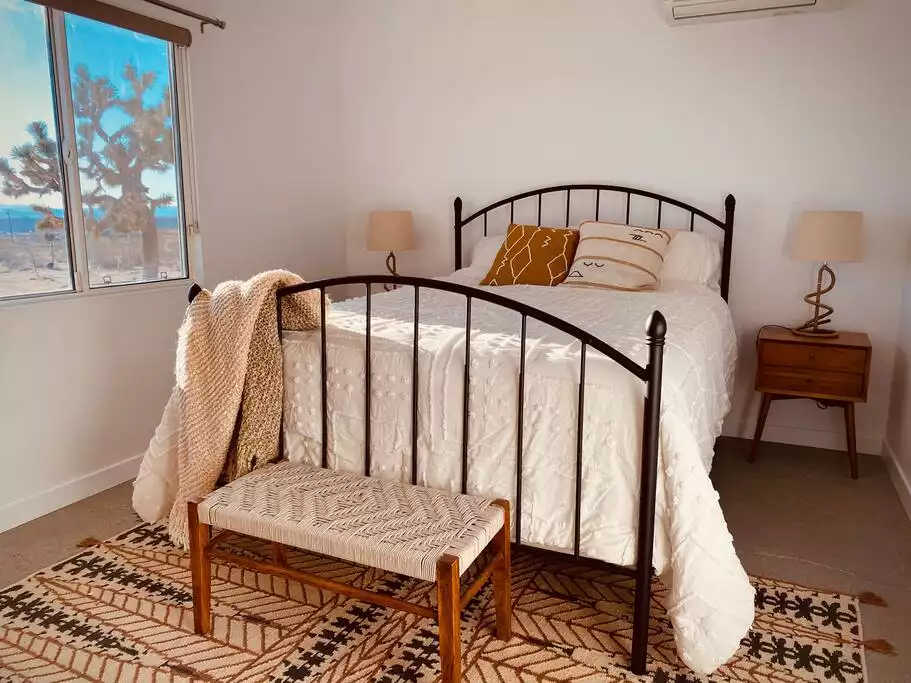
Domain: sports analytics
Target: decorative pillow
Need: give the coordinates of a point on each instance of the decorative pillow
(532, 255)
(484, 252)
(612, 256)
(693, 257)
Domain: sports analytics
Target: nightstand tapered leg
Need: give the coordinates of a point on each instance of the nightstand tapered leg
(852, 437)
(760, 425)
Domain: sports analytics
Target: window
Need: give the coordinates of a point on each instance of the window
(34, 251)
(106, 101)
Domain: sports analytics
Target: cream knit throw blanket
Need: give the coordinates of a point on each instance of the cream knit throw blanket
(224, 413)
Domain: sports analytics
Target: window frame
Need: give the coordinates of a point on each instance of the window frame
(184, 168)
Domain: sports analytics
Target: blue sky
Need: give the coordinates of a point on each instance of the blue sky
(25, 82)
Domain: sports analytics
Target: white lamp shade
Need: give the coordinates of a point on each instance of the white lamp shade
(832, 236)
(390, 231)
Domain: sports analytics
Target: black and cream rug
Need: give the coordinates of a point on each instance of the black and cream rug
(122, 611)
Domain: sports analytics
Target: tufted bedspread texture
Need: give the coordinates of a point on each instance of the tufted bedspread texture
(710, 599)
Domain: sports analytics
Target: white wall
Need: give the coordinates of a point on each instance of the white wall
(83, 381)
(485, 99)
(898, 435)
(265, 98)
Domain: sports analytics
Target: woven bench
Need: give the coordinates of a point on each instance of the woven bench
(423, 533)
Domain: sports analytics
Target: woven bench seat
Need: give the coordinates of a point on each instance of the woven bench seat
(423, 533)
(387, 525)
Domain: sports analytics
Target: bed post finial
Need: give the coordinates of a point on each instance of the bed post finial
(457, 225)
(656, 328)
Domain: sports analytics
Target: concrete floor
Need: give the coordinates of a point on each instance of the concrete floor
(49, 539)
(795, 515)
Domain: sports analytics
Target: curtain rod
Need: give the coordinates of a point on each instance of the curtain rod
(201, 18)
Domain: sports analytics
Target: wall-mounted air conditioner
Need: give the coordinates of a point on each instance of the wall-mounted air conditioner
(691, 11)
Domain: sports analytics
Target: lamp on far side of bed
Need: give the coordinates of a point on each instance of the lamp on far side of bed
(826, 236)
(390, 231)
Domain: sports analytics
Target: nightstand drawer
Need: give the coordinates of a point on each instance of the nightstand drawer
(828, 383)
(836, 358)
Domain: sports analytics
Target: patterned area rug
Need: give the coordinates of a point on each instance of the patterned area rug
(122, 611)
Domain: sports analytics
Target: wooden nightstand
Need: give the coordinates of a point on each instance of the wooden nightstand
(834, 372)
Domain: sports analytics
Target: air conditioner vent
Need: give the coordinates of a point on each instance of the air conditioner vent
(690, 11)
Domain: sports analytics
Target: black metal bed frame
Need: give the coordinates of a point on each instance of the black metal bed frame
(726, 225)
(650, 375)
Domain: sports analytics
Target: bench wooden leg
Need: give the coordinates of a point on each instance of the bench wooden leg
(201, 568)
(502, 576)
(449, 618)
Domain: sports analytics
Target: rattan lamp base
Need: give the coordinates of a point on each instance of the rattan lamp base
(390, 266)
(815, 326)
(818, 333)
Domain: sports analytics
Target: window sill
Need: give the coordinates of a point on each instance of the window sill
(99, 292)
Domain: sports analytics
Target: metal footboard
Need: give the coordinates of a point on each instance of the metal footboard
(650, 374)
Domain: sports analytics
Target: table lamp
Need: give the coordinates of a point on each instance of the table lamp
(390, 231)
(826, 236)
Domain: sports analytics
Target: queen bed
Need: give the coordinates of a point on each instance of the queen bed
(593, 411)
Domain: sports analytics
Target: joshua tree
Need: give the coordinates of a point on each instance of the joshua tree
(117, 159)
(52, 226)
(39, 166)
(49, 220)
(111, 159)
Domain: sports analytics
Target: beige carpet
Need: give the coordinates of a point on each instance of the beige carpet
(121, 611)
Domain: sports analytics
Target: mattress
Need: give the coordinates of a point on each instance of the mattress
(710, 598)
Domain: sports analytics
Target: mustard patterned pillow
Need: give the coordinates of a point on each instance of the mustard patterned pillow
(532, 255)
(613, 256)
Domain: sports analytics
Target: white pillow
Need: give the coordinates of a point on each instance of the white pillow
(484, 252)
(615, 256)
(693, 257)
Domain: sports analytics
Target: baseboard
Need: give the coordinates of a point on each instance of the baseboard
(34, 506)
(801, 436)
(900, 479)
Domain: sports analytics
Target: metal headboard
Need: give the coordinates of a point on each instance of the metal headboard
(726, 224)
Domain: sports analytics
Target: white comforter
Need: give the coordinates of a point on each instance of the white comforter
(710, 597)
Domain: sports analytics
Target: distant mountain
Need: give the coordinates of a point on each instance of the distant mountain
(22, 211)
(19, 218)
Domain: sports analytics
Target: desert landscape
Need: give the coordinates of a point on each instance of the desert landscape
(38, 262)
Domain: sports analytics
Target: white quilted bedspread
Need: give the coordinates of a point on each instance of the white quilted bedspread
(711, 600)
